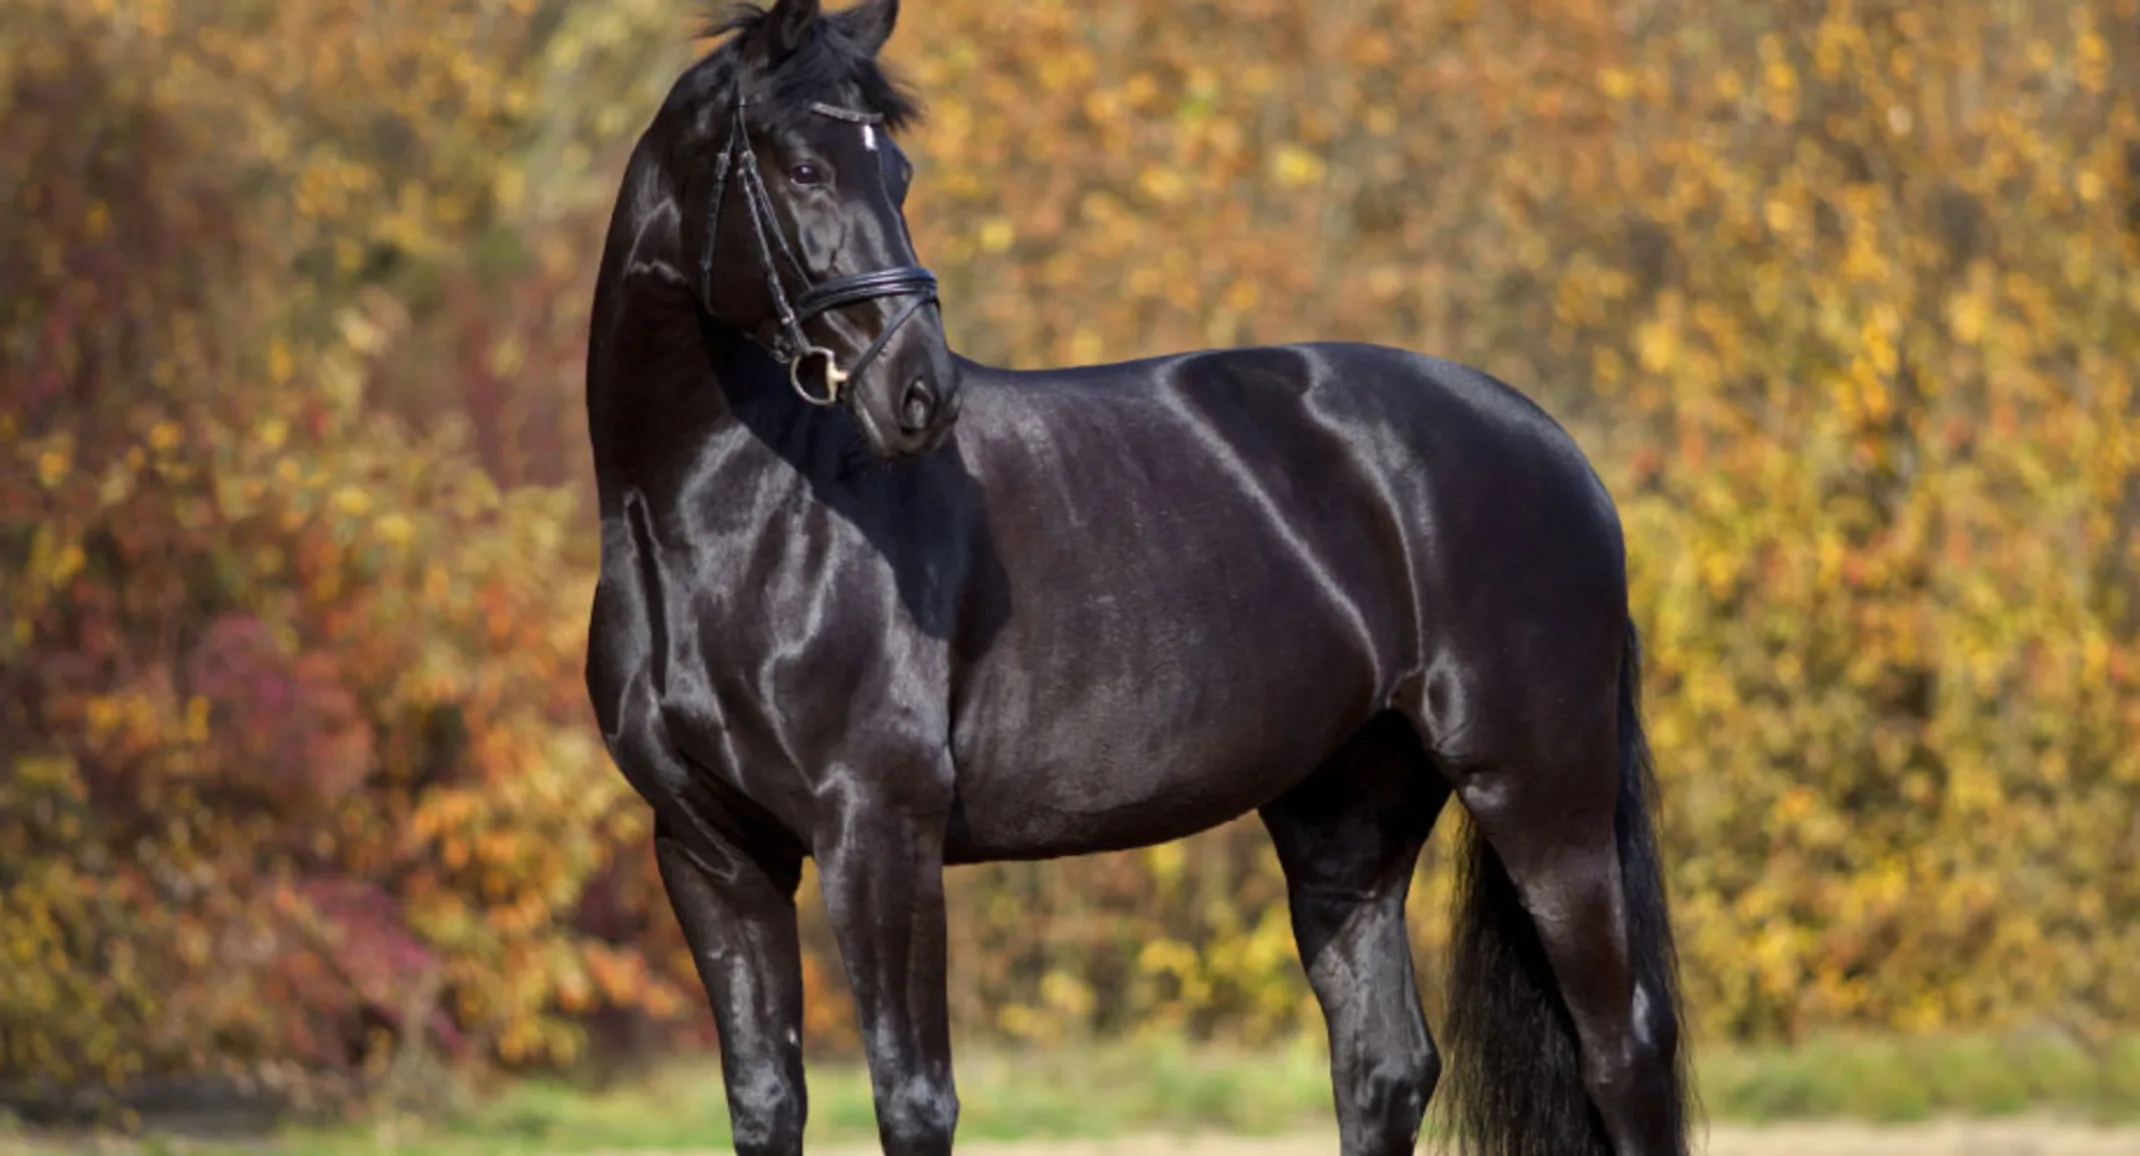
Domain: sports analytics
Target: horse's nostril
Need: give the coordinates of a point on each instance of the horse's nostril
(915, 406)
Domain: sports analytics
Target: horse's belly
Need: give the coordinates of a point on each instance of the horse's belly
(1123, 755)
(1037, 819)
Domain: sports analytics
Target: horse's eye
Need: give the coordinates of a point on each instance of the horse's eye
(805, 175)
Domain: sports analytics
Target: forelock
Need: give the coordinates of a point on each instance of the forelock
(831, 68)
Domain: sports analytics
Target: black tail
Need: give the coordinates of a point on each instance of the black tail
(1516, 1087)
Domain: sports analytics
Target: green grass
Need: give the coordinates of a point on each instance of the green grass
(1094, 1092)
(1893, 1079)
(1086, 1092)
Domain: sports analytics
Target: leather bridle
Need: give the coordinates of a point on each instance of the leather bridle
(790, 344)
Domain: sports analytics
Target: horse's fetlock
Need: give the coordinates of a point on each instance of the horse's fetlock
(1430, 1070)
(1392, 1097)
(1608, 1071)
(922, 1109)
(766, 1116)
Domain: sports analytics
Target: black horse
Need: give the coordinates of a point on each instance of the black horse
(1120, 604)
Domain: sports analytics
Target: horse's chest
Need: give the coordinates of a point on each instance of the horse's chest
(787, 672)
(741, 709)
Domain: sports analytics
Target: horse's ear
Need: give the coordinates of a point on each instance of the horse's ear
(869, 24)
(788, 27)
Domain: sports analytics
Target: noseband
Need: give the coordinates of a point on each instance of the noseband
(790, 344)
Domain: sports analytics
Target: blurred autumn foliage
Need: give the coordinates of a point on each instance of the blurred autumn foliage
(1843, 297)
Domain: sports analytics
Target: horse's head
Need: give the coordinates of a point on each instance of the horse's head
(793, 193)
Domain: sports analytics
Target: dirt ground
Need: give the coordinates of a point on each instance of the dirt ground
(2001, 1138)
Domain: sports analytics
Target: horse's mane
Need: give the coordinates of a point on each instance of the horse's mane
(823, 69)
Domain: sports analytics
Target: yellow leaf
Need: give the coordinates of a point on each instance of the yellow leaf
(352, 501)
(52, 466)
(1296, 167)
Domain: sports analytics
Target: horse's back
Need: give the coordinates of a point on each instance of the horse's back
(1351, 432)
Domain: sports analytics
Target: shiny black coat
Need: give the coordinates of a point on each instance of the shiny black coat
(1097, 608)
(1121, 604)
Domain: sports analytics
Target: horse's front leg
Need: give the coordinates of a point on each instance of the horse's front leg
(737, 909)
(882, 868)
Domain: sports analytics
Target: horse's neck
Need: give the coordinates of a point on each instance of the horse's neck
(662, 379)
(672, 397)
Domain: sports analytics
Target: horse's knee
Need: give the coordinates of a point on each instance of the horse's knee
(918, 1115)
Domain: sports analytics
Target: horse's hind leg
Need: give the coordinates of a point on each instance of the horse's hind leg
(1565, 856)
(1348, 837)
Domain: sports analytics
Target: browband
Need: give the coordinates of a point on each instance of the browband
(851, 116)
